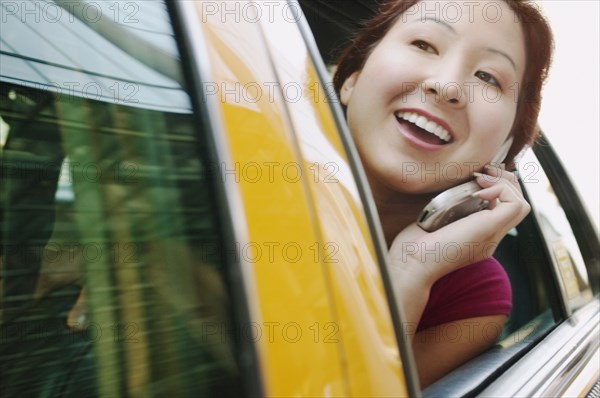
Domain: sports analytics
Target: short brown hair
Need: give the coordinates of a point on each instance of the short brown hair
(539, 46)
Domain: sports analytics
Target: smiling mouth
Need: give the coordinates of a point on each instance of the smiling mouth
(423, 128)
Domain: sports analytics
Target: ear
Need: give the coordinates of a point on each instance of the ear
(347, 88)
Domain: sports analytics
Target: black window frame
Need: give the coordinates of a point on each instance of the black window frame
(196, 71)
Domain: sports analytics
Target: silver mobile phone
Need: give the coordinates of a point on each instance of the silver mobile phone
(457, 202)
(451, 205)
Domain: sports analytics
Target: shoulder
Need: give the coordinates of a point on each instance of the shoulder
(479, 289)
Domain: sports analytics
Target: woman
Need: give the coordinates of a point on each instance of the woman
(432, 90)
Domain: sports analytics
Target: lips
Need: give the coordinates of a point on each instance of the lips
(424, 127)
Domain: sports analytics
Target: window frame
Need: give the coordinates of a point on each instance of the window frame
(209, 129)
(581, 224)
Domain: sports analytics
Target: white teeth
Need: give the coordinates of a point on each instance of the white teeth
(431, 126)
(425, 124)
(443, 134)
(421, 122)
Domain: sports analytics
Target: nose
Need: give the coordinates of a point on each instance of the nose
(449, 92)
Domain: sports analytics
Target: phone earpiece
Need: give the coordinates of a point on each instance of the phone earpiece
(503, 151)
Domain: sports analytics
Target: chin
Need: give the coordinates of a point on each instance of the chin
(420, 187)
(411, 185)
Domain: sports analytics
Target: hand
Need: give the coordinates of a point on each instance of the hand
(507, 205)
(419, 258)
(77, 318)
(472, 238)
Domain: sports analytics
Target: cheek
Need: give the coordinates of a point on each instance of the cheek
(391, 72)
(495, 119)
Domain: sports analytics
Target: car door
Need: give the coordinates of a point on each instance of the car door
(299, 185)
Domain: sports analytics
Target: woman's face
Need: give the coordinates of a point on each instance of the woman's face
(436, 98)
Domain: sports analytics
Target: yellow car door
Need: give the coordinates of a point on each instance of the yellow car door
(320, 314)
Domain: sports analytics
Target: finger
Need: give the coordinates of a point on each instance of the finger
(486, 181)
(504, 192)
(505, 201)
(499, 166)
(499, 172)
(493, 192)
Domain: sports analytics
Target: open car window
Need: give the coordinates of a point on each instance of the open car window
(566, 258)
(544, 256)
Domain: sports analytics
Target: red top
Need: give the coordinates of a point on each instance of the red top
(479, 289)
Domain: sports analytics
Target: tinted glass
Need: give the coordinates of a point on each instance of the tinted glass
(109, 285)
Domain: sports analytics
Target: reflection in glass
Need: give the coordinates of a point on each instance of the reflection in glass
(109, 284)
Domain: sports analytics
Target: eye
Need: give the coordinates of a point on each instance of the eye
(486, 77)
(423, 45)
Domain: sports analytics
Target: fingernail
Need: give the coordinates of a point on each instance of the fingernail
(491, 166)
(476, 174)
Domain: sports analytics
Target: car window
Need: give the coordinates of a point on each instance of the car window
(122, 53)
(111, 281)
(565, 255)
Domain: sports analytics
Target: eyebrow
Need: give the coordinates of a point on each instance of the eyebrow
(451, 29)
(505, 55)
(438, 21)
